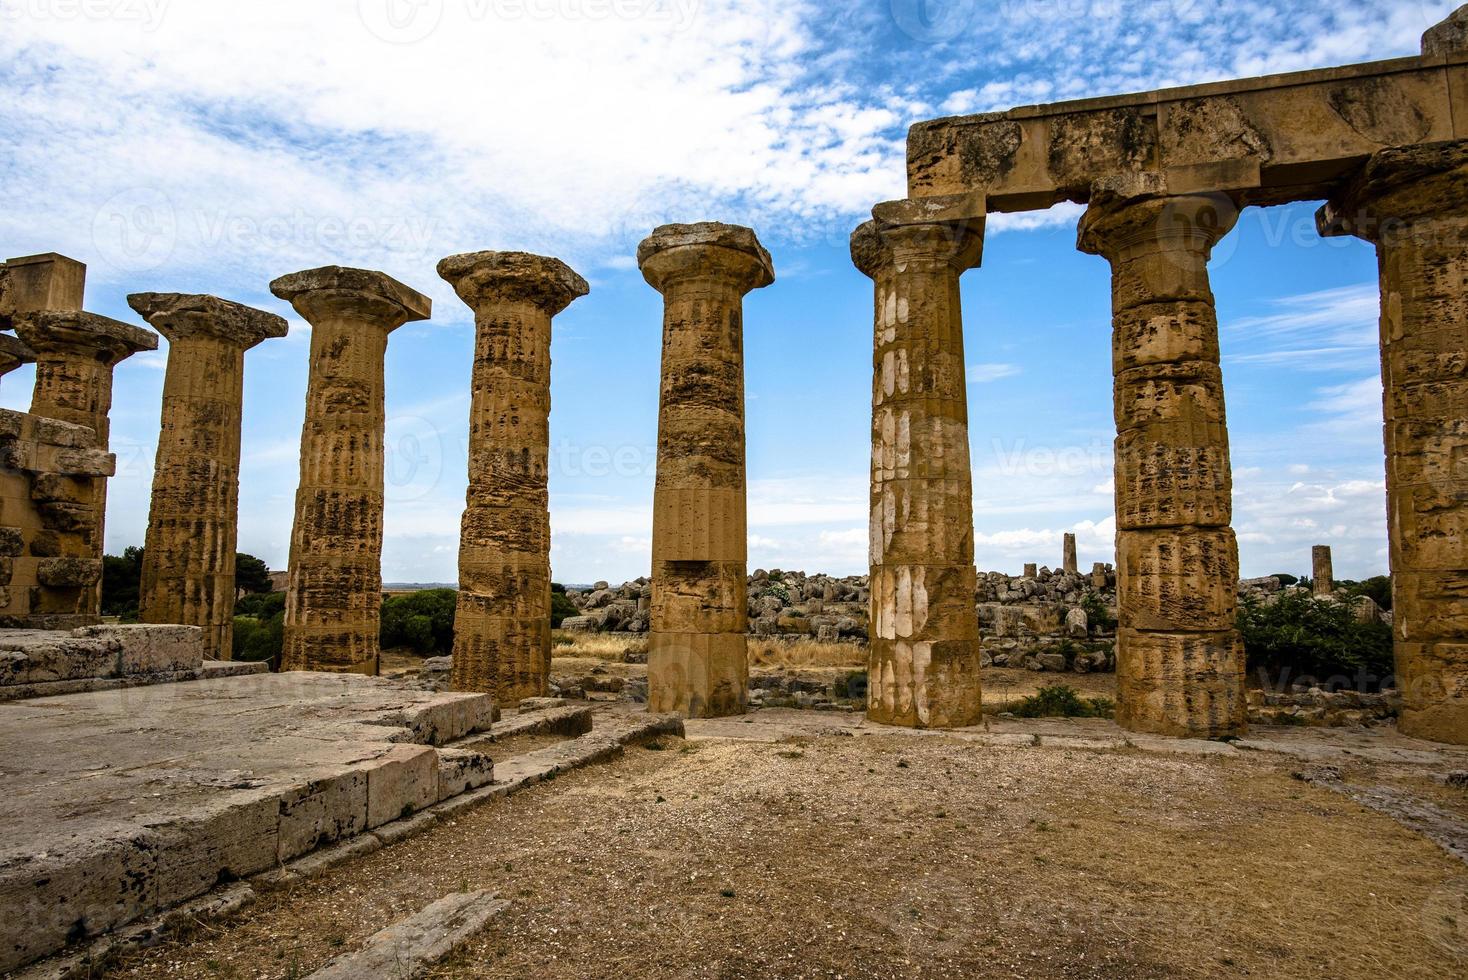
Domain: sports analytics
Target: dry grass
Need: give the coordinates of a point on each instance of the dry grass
(612, 647)
(888, 857)
(798, 654)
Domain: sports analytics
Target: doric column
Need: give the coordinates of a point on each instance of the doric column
(1069, 562)
(697, 662)
(502, 641)
(334, 595)
(924, 658)
(1322, 570)
(1413, 204)
(76, 353)
(1180, 662)
(189, 558)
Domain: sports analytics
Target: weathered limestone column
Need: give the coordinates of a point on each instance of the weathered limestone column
(924, 658)
(1413, 205)
(76, 353)
(189, 558)
(1180, 662)
(1322, 570)
(1070, 563)
(334, 595)
(697, 662)
(502, 637)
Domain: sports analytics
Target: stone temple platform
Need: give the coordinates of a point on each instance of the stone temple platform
(119, 803)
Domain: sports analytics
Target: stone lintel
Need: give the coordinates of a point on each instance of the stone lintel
(181, 316)
(487, 277)
(1274, 139)
(73, 333)
(334, 290)
(674, 251)
(14, 353)
(33, 283)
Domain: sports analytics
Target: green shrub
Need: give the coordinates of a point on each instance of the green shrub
(1062, 701)
(122, 575)
(261, 606)
(1298, 635)
(562, 608)
(421, 621)
(1379, 589)
(1098, 614)
(259, 640)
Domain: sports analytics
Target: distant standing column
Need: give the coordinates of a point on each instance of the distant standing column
(76, 353)
(697, 662)
(1413, 205)
(1071, 564)
(1322, 571)
(925, 657)
(502, 641)
(1180, 663)
(334, 595)
(189, 558)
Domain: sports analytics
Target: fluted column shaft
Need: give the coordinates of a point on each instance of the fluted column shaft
(189, 558)
(925, 657)
(1180, 662)
(502, 637)
(698, 658)
(334, 595)
(1413, 205)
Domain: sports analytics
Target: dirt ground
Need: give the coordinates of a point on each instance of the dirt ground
(891, 856)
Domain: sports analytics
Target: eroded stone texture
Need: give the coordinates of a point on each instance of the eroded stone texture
(334, 595)
(1180, 666)
(925, 654)
(698, 660)
(14, 353)
(76, 353)
(502, 642)
(1070, 562)
(38, 283)
(189, 558)
(1413, 205)
(1322, 571)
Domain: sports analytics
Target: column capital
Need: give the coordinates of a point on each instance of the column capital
(482, 278)
(932, 229)
(14, 353)
(74, 335)
(1147, 219)
(1399, 187)
(707, 249)
(357, 293)
(33, 283)
(183, 316)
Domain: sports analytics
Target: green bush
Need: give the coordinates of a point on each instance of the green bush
(259, 640)
(1379, 589)
(261, 605)
(1098, 614)
(121, 577)
(420, 621)
(1062, 701)
(562, 608)
(1298, 635)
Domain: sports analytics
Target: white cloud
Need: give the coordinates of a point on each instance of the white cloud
(979, 374)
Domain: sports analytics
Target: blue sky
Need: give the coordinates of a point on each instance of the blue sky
(198, 146)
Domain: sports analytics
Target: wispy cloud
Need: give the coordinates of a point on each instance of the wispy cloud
(979, 374)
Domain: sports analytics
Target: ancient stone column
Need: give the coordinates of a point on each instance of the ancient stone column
(334, 595)
(1180, 662)
(1413, 205)
(1321, 570)
(76, 353)
(189, 558)
(924, 657)
(1070, 563)
(502, 639)
(1032, 570)
(697, 661)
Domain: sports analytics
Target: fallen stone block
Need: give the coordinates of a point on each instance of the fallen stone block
(410, 948)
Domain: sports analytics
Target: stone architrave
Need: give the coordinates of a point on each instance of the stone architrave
(698, 659)
(189, 558)
(1412, 203)
(925, 655)
(334, 595)
(502, 641)
(1180, 663)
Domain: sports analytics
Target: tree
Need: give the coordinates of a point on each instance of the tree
(251, 574)
(122, 578)
(422, 621)
(562, 608)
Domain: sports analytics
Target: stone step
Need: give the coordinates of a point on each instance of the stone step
(410, 948)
